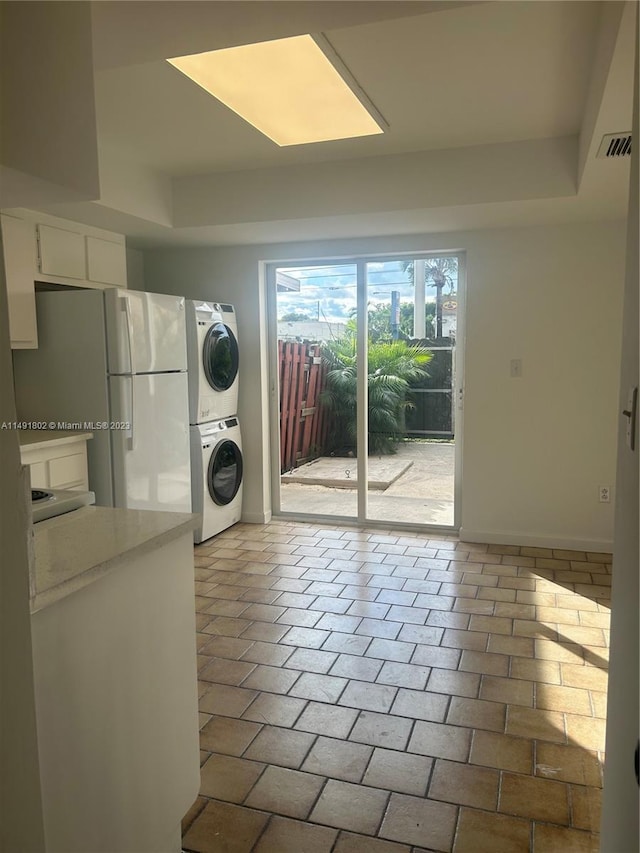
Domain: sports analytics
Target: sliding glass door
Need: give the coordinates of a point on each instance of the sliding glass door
(365, 360)
(411, 382)
(317, 326)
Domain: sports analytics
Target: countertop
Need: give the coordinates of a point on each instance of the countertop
(76, 549)
(33, 439)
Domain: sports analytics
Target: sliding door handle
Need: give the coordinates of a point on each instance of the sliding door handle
(631, 413)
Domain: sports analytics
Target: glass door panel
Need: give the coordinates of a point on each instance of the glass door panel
(411, 381)
(317, 375)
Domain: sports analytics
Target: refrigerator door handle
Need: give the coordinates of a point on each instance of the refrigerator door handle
(132, 415)
(127, 311)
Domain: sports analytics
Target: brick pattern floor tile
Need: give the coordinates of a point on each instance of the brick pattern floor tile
(387, 691)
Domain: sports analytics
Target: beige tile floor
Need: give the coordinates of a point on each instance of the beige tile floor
(367, 691)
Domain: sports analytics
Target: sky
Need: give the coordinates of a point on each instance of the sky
(329, 293)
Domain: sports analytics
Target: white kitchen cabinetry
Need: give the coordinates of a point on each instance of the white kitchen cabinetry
(18, 240)
(82, 257)
(61, 252)
(39, 248)
(115, 679)
(57, 460)
(106, 261)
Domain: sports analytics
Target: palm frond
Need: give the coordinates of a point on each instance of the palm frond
(392, 367)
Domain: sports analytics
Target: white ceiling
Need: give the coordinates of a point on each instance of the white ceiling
(498, 72)
(468, 82)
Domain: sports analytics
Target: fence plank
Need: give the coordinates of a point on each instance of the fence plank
(285, 386)
(299, 391)
(302, 420)
(291, 410)
(311, 404)
(318, 430)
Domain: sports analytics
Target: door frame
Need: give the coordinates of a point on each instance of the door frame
(360, 261)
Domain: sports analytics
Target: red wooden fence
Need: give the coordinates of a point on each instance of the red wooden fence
(303, 422)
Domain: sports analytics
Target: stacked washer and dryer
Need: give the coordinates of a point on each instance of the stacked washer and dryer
(216, 445)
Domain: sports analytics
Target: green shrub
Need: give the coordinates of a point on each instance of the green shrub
(393, 365)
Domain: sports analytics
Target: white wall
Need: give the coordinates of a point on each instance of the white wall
(535, 449)
(620, 807)
(513, 171)
(48, 104)
(133, 188)
(21, 826)
(135, 269)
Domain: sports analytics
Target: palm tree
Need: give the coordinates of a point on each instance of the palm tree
(393, 365)
(438, 273)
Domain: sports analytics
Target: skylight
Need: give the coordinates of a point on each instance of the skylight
(288, 89)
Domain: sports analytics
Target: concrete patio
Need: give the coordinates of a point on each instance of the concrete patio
(414, 486)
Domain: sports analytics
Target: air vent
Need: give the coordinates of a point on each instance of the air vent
(614, 145)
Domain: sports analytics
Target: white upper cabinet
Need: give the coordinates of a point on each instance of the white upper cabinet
(65, 253)
(106, 261)
(43, 248)
(18, 239)
(62, 252)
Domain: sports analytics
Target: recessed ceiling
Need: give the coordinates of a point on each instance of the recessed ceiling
(487, 73)
(495, 113)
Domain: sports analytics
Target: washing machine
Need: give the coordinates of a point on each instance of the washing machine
(216, 475)
(212, 359)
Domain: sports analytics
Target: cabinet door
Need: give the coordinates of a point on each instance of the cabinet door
(55, 466)
(106, 262)
(62, 252)
(18, 238)
(39, 475)
(69, 471)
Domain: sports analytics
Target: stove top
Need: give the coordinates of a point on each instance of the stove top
(47, 503)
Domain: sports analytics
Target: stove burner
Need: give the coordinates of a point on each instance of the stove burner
(48, 503)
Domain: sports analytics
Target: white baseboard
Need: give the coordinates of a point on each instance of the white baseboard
(256, 517)
(492, 537)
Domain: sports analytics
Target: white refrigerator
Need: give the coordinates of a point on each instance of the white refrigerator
(115, 362)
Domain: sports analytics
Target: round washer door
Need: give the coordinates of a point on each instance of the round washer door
(224, 476)
(220, 357)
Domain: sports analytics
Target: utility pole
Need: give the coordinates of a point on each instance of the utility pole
(395, 314)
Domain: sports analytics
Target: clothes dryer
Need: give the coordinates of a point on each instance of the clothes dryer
(213, 358)
(216, 475)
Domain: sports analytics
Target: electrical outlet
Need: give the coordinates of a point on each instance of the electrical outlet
(515, 368)
(604, 493)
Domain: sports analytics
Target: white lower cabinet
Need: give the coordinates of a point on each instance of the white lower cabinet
(116, 702)
(56, 462)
